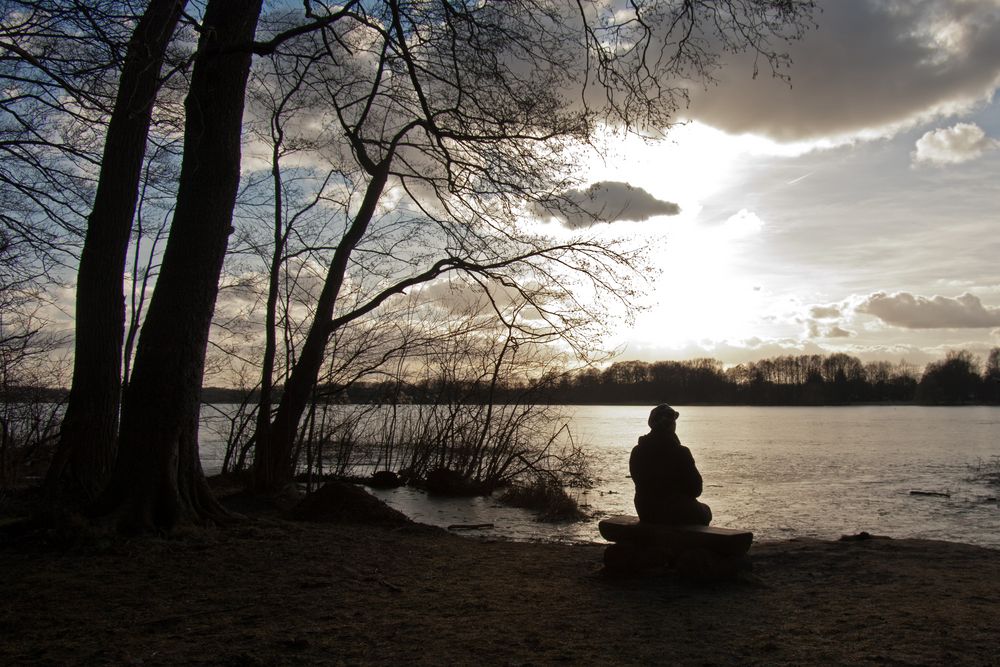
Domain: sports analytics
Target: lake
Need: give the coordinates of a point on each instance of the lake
(781, 472)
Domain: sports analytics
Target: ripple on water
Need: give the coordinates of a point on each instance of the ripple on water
(778, 471)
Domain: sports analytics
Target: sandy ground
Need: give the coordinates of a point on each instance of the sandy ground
(272, 591)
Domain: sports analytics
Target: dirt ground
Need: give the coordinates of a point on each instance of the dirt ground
(273, 591)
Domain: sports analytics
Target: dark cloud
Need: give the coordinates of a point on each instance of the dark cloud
(609, 201)
(869, 65)
(837, 332)
(910, 311)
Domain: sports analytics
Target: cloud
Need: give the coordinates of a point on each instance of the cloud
(454, 295)
(870, 67)
(741, 224)
(609, 201)
(823, 322)
(825, 312)
(726, 351)
(817, 330)
(906, 310)
(951, 145)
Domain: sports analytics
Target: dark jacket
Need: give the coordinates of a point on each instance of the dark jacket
(667, 482)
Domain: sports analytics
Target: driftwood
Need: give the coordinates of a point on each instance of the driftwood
(470, 526)
(938, 494)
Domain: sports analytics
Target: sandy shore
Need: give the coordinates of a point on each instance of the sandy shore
(272, 591)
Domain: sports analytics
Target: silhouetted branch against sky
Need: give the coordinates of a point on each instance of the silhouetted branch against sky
(482, 110)
(459, 118)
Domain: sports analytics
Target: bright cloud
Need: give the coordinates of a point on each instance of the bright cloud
(825, 312)
(817, 330)
(910, 311)
(743, 223)
(951, 145)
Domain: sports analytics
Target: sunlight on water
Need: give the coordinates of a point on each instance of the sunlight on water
(823, 472)
(782, 473)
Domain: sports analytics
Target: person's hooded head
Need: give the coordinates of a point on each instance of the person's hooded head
(663, 418)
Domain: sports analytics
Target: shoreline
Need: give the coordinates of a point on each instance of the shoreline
(272, 591)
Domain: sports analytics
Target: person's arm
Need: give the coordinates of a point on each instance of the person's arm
(643, 469)
(635, 468)
(692, 478)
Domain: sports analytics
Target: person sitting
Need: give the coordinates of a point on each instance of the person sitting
(667, 482)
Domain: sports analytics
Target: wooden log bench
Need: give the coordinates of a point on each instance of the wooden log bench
(699, 551)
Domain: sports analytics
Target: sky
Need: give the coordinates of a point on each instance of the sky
(855, 210)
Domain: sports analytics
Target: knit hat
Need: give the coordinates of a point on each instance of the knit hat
(660, 415)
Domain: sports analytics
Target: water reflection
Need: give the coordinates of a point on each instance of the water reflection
(780, 472)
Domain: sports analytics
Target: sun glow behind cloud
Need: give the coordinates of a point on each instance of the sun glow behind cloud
(869, 175)
(705, 291)
(693, 162)
(702, 292)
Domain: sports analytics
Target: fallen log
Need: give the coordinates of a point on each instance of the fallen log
(470, 526)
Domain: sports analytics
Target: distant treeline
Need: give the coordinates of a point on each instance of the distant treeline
(32, 394)
(837, 379)
(789, 380)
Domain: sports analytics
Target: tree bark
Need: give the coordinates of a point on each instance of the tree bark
(158, 480)
(87, 441)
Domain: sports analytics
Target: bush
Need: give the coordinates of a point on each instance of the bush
(339, 502)
(546, 497)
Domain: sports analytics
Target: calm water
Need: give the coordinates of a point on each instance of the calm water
(782, 472)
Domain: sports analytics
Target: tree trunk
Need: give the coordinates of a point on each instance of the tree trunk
(273, 464)
(87, 442)
(158, 480)
(270, 312)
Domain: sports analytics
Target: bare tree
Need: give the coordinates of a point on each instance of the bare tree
(89, 431)
(470, 114)
(30, 367)
(157, 479)
(58, 65)
(275, 95)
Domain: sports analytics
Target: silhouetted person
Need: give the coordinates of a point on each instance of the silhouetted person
(667, 482)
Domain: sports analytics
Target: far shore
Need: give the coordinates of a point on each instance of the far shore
(227, 396)
(228, 399)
